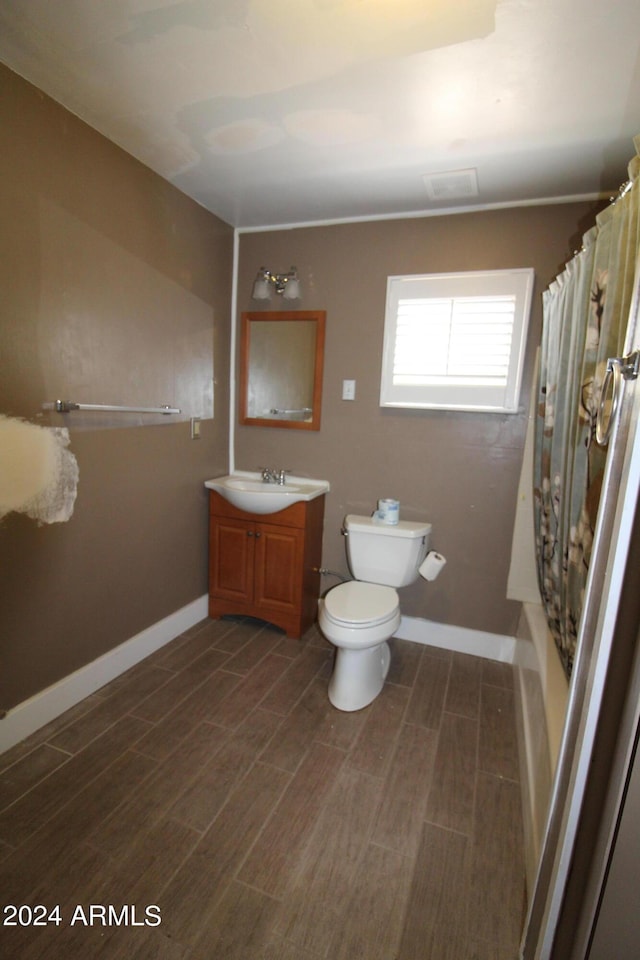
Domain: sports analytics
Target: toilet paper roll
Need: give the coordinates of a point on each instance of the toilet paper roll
(388, 511)
(432, 565)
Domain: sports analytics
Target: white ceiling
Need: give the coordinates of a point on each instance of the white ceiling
(287, 111)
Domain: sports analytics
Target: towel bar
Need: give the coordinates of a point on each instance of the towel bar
(67, 406)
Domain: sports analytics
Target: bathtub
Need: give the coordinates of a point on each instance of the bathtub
(541, 700)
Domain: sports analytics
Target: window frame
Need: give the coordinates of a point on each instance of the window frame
(449, 395)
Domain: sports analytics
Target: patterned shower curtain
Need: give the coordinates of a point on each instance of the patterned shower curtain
(585, 313)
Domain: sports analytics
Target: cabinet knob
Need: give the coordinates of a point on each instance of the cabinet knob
(249, 533)
(258, 534)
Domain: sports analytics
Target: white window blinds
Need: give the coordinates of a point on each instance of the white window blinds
(456, 341)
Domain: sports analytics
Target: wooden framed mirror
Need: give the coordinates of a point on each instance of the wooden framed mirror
(281, 364)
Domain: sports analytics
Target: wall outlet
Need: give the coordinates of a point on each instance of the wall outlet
(348, 389)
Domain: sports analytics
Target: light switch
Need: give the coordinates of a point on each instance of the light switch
(348, 389)
(195, 428)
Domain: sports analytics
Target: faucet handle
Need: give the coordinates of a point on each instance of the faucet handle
(282, 475)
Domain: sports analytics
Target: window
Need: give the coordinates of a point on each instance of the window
(456, 341)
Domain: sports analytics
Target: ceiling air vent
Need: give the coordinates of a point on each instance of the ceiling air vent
(452, 185)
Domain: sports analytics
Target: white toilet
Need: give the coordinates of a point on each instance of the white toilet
(359, 616)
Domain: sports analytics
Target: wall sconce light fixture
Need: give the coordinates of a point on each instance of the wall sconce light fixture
(286, 284)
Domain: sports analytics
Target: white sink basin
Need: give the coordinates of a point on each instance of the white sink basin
(249, 492)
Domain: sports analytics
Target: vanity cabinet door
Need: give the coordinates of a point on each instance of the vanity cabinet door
(231, 546)
(278, 567)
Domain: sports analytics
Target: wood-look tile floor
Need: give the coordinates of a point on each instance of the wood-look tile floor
(213, 788)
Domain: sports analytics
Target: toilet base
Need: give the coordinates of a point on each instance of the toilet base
(358, 676)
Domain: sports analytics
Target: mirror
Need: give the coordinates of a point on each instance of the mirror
(281, 362)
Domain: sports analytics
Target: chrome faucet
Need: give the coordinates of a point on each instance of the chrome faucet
(270, 475)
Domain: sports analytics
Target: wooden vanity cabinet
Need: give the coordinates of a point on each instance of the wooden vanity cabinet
(266, 565)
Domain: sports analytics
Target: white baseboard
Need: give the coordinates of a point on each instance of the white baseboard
(43, 707)
(493, 646)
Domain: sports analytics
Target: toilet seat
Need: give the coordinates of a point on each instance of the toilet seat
(359, 605)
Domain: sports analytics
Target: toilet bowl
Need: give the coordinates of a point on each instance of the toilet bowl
(361, 615)
(358, 618)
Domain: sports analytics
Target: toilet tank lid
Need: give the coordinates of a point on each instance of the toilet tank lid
(405, 528)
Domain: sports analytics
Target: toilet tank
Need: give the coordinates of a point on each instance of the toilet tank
(386, 553)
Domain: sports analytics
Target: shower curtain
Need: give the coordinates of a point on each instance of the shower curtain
(585, 313)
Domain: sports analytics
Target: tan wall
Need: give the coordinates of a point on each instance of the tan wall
(79, 219)
(458, 470)
(135, 548)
